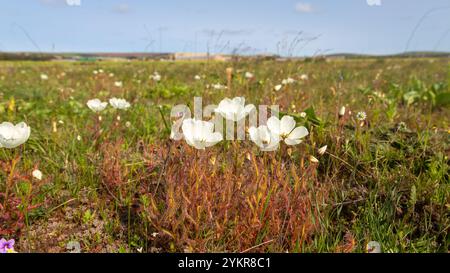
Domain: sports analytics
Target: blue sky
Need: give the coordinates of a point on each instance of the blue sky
(249, 26)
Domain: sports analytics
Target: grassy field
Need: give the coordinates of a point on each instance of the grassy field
(122, 185)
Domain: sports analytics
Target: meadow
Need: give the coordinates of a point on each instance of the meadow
(373, 168)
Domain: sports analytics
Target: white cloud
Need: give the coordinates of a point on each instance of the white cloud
(304, 7)
(122, 8)
(52, 2)
(60, 3)
(73, 2)
(373, 2)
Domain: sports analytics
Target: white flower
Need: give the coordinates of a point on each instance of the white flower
(266, 140)
(197, 77)
(287, 81)
(278, 87)
(119, 103)
(200, 134)
(313, 159)
(285, 128)
(361, 116)
(44, 77)
(218, 86)
(304, 77)
(342, 111)
(37, 174)
(78, 137)
(249, 75)
(373, 247)
(100, 71)
(234, 109)
(303, 115)
(12, 135)
(402, 127)
(96, 105)
(95, 72)
(118, 84)
(156, 77)
(322, 150)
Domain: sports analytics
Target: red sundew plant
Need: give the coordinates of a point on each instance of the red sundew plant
(205, 204)
(19, 201)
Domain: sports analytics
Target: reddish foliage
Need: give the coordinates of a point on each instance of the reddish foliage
(234, 199)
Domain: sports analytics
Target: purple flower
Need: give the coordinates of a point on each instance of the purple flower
(6, 245)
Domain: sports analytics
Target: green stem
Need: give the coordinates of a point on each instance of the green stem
(164, 119)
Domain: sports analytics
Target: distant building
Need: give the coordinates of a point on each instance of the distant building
(189, 56)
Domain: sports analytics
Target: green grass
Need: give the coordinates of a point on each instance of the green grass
(383, 183)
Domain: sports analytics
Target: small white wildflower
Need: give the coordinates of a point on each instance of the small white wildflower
(313, 159)
(156, 77)
(118, 84)
(303, 115)
(361, 116)
(73, 247)
(342, 111)
(322, 150)
(401, 126)
(96, 105)
(127, 124)
(44, 77)
(37, 174)
(78, 137)
(219, 86)
(278, 87)
(288, 81)
(119, 103)
(249, 75)
(373, 247)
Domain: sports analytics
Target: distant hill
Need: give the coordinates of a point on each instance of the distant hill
(33, 56)
(82, 56)
(410, 54)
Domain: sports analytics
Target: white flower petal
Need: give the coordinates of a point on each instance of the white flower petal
(213, 139)
(291, 141)
(287, 124)
(234, 109)
(253, 132)
(299, 132)
(273, 123)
